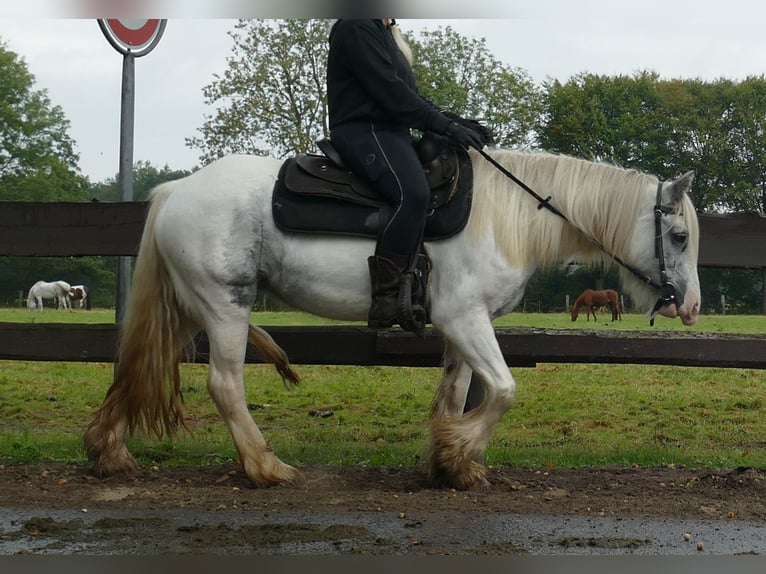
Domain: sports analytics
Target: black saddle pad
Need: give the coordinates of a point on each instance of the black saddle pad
(313, 195)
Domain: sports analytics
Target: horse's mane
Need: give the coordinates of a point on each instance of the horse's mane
(600, 199)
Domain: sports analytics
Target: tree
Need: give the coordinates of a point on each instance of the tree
(37, 163)
(461, 75)
(667, 127)
(605, 118)
(145, 178)
(746, 127)
(271, 99)
(37, 158)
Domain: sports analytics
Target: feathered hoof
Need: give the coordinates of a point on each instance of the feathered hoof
(463, 477)
(280, 474)
(107, 455)
(109, 463)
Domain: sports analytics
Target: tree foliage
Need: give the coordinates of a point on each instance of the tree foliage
(272, 100)
(271, 97)
(37, 158)
(667, 127)
(145, 178)
(461, 75)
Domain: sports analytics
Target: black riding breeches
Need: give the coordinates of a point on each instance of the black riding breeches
(385, 157)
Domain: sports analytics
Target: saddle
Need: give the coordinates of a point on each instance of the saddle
(318, 194)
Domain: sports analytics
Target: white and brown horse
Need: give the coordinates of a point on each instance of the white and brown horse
(210, 242)
(80, 294)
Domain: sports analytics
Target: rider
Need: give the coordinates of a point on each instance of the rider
(373, 101)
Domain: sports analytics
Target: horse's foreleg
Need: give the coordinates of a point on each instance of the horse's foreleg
(451, 396)
(459, 439)
(226, 386)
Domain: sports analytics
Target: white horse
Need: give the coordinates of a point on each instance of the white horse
(210, 242)
(57, 291)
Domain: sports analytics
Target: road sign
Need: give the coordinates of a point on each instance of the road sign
(134, 36)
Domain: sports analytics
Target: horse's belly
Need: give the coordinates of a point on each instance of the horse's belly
(325, 276)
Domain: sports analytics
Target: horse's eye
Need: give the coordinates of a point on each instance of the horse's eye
(679, 237)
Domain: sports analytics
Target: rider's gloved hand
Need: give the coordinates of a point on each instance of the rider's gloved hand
(463, 135)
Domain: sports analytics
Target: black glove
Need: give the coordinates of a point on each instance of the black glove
(487, 137)
(463, 135)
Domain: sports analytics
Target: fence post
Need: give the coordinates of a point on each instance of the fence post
(723, 304)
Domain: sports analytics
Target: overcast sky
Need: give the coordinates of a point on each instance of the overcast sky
(82, 73)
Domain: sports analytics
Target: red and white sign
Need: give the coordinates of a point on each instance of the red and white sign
(132, 35)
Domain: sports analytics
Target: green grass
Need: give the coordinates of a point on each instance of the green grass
(565, 415)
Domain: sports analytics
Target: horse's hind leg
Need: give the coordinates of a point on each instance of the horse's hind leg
(228, 343)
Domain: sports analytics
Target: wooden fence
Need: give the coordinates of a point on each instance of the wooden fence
(76, 229)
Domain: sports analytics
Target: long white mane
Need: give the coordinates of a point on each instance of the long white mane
(600, 199)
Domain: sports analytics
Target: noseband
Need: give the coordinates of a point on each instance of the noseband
(666, 291)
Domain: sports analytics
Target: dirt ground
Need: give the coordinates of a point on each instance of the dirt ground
(654, 492)
(53, 507)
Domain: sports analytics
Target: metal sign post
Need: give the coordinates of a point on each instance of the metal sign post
(132, 39)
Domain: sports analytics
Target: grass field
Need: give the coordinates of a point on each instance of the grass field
(565, 415)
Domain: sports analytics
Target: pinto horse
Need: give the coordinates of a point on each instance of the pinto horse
(81, 295)
(593, 300)
(57, 291)
(210, 243)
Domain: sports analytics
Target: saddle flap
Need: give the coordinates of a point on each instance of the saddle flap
(309, 174)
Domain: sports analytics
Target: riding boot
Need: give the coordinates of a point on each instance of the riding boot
(385, 277)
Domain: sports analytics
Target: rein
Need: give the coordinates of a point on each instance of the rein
(666, 291)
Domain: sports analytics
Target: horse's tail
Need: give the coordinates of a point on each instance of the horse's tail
(86, 295)
(31, 299)
(272, 353)
(145, 392)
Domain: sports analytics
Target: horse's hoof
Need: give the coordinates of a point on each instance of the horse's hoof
(282, 475)
(103, 467)
(473, 476)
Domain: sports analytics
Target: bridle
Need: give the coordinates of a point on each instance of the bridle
(666, 291)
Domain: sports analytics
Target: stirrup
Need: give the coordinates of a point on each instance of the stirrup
(412, 314)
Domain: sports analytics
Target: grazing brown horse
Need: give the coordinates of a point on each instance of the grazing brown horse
(593, 299)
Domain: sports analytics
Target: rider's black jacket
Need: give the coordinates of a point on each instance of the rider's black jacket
(369, 80)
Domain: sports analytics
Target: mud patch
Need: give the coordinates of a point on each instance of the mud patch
(607, 542)
(267, 535)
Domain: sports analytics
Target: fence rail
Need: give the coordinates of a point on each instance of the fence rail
(357, 345)
(96, 228)
(114, 228)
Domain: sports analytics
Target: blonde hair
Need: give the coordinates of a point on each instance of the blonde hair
(401, 43)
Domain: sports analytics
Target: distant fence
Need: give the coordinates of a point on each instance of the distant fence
(96, 228)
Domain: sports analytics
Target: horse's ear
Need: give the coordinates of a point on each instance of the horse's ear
(681, 186)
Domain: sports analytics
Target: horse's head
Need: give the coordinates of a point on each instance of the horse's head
(675, 249)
